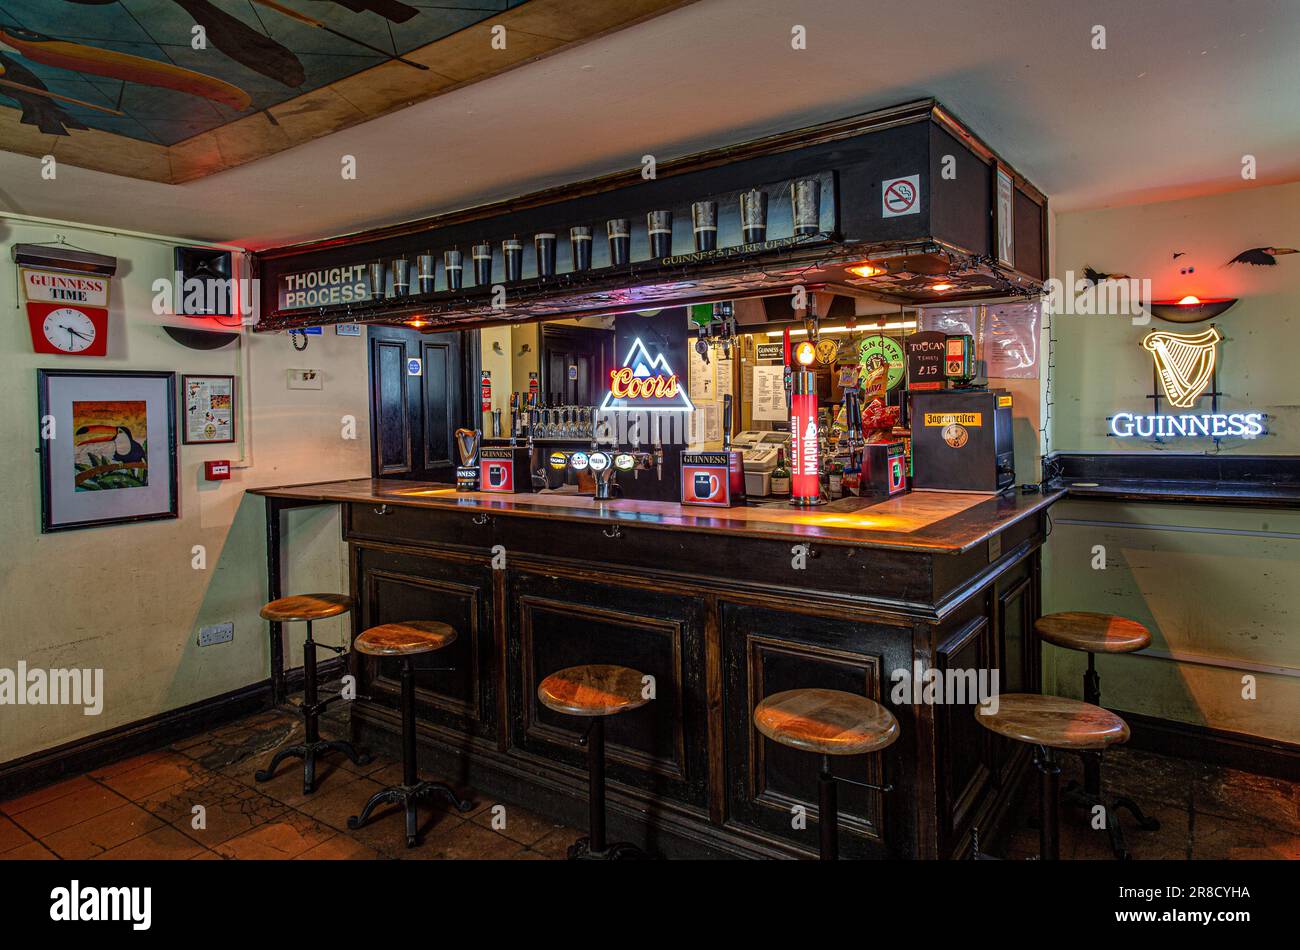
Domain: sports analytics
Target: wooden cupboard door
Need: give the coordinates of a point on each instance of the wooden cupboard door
(456, 687)
(773, 787)
(558, 622)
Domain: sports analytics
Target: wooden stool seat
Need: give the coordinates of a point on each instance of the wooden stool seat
(406, 638)
(827, 721)
(597, 689)
(1054, 722)
(302, 607)
(1093, 633)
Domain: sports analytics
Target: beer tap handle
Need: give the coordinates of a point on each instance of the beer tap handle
(726, 422)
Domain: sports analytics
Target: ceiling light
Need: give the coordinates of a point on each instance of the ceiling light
(866, 270)
(940, 288)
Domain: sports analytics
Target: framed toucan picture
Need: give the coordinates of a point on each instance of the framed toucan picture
(107, 447)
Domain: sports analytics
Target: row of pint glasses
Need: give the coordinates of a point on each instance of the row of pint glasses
(805, 206)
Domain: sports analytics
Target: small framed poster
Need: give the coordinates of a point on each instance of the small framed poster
(108, 447)
(209, 409)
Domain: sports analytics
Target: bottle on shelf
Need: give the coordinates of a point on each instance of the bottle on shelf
(781, 476)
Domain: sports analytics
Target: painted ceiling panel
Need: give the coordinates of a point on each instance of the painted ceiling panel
(258, 48)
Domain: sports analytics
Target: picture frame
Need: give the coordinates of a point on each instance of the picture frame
(108, 451)
(208, 409)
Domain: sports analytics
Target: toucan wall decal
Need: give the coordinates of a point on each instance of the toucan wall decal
(1096, 277)
(1261, 256)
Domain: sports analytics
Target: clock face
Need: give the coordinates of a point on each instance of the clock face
(69, 330)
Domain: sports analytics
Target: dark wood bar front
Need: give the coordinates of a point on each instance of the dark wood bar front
(721, 609)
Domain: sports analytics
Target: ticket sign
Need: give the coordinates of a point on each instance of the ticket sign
(926, 354)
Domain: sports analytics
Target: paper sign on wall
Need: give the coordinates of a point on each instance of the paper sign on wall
(769, 394)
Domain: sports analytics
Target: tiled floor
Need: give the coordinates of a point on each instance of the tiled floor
(1205, 812)
(144, 807)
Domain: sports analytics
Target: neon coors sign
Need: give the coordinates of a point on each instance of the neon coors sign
(646, 383)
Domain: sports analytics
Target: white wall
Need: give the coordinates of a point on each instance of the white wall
(125, 598)
(1219, 586)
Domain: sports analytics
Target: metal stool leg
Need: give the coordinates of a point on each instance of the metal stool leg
(409, 793)
(1049, 832)
(312, 745)
(828, 816)
(1091, 794)
(594, 846)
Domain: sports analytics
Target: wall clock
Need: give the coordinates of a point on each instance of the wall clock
(67, 329)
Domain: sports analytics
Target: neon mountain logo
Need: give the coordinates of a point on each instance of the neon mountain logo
(646, 382)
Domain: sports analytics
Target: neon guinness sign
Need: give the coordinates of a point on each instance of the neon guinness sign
(1214, 425)
(647, 383)
(1184, 366)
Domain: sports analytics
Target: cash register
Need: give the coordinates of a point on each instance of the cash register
(758, 449)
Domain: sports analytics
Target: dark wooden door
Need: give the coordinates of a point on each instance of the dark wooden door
(413, 417)
(575, 364)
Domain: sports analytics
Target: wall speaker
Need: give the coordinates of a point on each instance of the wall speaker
(203, 282)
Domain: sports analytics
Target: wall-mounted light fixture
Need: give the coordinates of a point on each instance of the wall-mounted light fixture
(1190, 309)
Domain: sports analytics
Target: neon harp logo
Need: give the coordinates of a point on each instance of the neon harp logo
(1185, 366)
(646, 382)
(1184, 363)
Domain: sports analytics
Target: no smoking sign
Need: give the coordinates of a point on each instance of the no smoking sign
(900, 196)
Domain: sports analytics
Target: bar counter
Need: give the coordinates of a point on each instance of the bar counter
(722, 607)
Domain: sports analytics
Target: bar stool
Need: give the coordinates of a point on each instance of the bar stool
(1051, 723)
(1094, 633)
(405, 641)
(595, 691)
(298, 609)
(829, 722)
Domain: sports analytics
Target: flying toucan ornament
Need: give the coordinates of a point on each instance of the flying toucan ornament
(1262, 256)
(1096, 277)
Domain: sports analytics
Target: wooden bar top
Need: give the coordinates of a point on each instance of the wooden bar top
(930, 522)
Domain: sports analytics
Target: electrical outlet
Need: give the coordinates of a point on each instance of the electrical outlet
(216, 633)
(305, 379)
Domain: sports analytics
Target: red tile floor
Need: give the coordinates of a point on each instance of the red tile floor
(142, 807)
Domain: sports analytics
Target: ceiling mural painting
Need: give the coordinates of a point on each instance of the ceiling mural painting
(171, 90)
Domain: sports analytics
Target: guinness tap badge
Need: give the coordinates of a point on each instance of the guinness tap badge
(1184, 363)
(467, 445)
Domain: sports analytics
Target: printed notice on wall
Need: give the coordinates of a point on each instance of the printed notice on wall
(724, 378)
(209, 409)
(702, 383)
(769, 394)
(705, 424)
(1011, 339)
